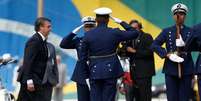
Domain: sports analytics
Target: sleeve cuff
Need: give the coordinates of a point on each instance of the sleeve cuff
(30, 81)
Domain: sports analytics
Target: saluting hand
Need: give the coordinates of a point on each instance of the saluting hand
(77, 29)
(117, 20)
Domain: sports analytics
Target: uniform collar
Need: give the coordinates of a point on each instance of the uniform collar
(43, 37)
(182, 26)
(102, 25)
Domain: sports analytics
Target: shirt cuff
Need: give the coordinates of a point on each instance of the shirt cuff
(30, 81)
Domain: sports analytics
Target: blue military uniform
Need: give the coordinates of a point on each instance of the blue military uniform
(178, 77)
(81, 72)
(194, 44)
(100, 45)
(178, 89)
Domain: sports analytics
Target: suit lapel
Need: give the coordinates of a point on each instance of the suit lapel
(43, 43)
(39, 37)
(137, 41)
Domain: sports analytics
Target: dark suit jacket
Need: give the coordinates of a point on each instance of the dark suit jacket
(51, 73)
(81, 71)
(35, 60)
(142, 62)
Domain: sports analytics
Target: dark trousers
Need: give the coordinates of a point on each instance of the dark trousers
(41, 93)
(103, 89)
(178, 89)
(129, 92)
(83, 92)
(142, 89)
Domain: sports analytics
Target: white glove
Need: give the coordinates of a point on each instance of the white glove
(6, 57)
(175, 58)
(117, 20)
(119, 81)
(77, 29)
(180, 42)
(88, 84)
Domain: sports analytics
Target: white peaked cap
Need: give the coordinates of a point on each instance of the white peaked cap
(103, 11)
(179, 7)
(88, 20)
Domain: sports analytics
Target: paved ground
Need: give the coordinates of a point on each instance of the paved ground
(122, 100)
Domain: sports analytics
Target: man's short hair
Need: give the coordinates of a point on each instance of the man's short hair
(136, 21)
(102, 18)
(39, 22)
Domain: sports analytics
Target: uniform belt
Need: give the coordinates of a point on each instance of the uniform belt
(179, 53)
(102, 56)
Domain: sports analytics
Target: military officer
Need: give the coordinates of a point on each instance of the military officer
(178, 66)
(80, 74)
(194, 44)
(99, 47)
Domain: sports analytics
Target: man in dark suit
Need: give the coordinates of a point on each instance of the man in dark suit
(141, 63)
(34, 66)
(81, 71)
(99, 47)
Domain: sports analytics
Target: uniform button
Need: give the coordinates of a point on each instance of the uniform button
(110, 70)
(170, 42)
(169, 35)
(108, 65)
(93, 71)
(170, 39)
(88, 62)
(94, 66)
(200, 64)
(189, 32)
(138, 40)
(170, 32)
